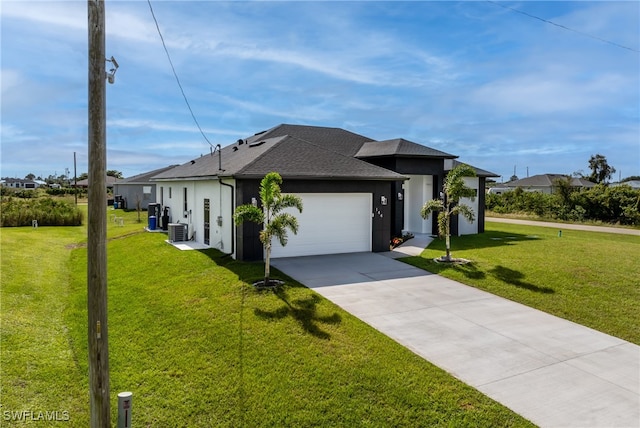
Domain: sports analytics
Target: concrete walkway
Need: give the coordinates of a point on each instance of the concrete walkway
(413, 247)
(551, 371)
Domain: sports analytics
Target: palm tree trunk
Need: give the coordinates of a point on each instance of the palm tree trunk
(448, 235)
(448, 245)
(267, 263)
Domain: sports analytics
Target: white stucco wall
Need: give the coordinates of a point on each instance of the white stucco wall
(171, 194)
(417, 190)
(465, 227)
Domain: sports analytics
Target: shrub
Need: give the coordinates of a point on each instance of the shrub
(47, 211)
(63, 191)
(617, 204)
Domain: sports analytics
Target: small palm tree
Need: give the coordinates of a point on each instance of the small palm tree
(452, 190)
(276, 223)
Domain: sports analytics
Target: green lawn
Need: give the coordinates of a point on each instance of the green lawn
(199, 347)
(590, 278)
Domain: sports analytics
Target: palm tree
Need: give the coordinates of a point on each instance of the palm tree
(452, 190)
(276, 223)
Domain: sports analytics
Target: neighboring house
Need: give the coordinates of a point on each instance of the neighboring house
(110, 182)
(542, 183)
(21, 183)
(138, 189)
(357, 193)
(634, 184)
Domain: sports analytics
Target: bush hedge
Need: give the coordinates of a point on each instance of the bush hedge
(47, 211)
(609, 204)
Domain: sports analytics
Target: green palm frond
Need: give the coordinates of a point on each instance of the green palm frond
(280, 224)
(248, 212)
(270, 189)
(465, 211)
(287, 201)
(431, 206)
(454, 186)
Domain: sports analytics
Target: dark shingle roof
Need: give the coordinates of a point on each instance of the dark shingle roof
(479, 172)
(296, 158)
(399, 147)
(291, 157)
(232, 158)
(334, 139)
(110, 180)
(145, 176)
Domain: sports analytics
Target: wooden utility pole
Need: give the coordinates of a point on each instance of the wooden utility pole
(97, 223)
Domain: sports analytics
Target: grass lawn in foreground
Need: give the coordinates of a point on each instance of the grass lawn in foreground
(199, 347)
(590, 278)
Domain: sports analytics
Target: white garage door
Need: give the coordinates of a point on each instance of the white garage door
(330, 223)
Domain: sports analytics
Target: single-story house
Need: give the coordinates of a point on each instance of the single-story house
(22, 183)
(634, 184)
(110, 180)
(138, 189)
(357, 193)
(542, 183)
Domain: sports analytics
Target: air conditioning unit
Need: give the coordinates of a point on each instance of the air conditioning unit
(178, 232)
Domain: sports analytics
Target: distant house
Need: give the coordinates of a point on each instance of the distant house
(21, 183)
(110, 182)
(542, 183)
(357, 192)
(138, 188)
(634, 184)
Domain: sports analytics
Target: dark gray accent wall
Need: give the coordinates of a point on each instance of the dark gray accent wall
(414, 166)
(132, 192)
(248, 245)
(482, 196)
(419, 166)
(397, 210)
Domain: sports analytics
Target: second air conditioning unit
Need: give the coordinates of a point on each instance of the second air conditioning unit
(178, 232)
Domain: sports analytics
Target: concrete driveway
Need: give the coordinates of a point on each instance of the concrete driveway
(551, 371)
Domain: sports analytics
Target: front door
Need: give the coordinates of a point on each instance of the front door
(207, 223)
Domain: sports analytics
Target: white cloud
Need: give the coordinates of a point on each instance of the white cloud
(67, 14)
(155, 125)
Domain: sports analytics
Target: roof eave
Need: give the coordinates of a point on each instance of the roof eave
(320, 177)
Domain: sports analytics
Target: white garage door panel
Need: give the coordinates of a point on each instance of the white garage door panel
(330, 223)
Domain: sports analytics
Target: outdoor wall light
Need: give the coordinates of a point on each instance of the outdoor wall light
(383, 200)
(254, 202)
(400, 196)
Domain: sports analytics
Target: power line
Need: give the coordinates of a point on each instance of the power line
(562, 26)
(176, 74)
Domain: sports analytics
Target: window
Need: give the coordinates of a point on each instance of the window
(186, 208)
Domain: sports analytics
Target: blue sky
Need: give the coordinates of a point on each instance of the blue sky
(495, 87)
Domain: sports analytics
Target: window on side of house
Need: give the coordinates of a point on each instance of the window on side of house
(186, 208)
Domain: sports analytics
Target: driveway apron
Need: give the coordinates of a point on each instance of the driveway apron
(554, 372)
